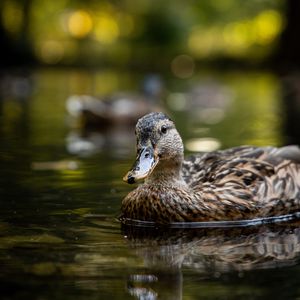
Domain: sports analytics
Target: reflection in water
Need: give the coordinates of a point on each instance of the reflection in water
(166, 251)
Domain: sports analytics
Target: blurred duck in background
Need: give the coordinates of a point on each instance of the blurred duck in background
(120, 108)
(107, 123)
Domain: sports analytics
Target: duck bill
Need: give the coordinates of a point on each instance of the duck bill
(143, 166)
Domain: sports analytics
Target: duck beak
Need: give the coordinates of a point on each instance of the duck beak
(145, 163)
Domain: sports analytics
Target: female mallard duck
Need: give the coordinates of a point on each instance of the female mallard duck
(235, 184)
(119, 108)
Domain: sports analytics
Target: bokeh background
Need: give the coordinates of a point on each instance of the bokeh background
(148, 35)
(205, 63)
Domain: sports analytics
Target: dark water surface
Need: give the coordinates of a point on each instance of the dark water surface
(61, 189)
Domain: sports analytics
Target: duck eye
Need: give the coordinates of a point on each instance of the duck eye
(163, 129)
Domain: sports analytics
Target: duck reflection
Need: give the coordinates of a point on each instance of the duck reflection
(209, 252)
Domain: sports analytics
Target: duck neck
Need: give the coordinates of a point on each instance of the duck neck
(166, 172)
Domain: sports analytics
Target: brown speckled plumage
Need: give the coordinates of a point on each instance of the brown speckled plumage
(239, 183)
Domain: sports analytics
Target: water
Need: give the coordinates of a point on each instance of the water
(60, 195)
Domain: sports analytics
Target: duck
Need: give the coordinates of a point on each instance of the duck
(121, 108)
(240, 183)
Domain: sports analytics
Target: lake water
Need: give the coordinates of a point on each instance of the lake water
(61, 189)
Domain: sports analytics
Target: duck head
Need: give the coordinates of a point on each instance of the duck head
(159, 146)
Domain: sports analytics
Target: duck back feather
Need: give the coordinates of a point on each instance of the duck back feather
(269, 178)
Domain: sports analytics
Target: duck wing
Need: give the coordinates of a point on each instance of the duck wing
(261, 180)
(217, 165)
